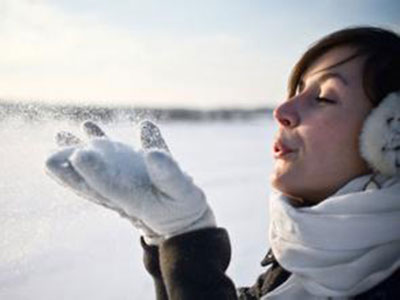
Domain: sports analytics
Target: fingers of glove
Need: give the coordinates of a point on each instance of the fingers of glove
(167, 176)
(65, 138)
(150, 136)
(112, 178)
(90, 166)
(59, 160)
(92, 129)
(60, 167)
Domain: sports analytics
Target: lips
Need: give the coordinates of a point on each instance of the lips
(281, 150)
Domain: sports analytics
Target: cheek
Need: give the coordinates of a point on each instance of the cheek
(332, 153)
(330, 143)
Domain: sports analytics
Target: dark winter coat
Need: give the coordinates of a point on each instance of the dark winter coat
(192, 267)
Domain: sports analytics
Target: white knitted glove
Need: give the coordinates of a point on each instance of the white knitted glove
(146, 186)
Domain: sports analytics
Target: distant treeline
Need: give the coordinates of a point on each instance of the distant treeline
(43, 112)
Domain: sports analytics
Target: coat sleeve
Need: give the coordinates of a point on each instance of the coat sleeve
(152, 265)
(192, 266)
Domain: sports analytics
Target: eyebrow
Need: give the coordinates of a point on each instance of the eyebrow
(324, 77)
(329, 75)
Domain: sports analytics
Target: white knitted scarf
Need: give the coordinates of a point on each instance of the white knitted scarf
(342, 246)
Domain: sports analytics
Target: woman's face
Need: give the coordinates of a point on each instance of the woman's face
(316, 149)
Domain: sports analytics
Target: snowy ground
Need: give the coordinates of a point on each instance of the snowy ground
(55, 245)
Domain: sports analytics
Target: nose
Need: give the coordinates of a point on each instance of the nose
(287, 114)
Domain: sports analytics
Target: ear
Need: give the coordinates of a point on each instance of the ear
(380, 136)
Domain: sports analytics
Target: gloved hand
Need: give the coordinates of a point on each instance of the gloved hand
(146, 186)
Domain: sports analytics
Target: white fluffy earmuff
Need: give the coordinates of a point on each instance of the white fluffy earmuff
(380, 136)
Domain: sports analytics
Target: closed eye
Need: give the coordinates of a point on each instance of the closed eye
(325, 100)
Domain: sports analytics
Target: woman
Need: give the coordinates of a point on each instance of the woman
(334, 223)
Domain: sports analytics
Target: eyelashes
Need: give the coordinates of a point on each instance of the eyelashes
(325, 100)
(314, 93)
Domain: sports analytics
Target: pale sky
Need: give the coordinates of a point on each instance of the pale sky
(204, 53)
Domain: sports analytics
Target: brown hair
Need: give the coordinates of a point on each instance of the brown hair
(381, 47)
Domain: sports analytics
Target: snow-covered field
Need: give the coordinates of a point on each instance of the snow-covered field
(54, 245)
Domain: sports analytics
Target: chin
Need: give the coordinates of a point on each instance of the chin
(281, 183)
(300, 194)
(286, 177)
(291, 192)
(294, 189)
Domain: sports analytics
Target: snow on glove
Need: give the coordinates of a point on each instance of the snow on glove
(60, 168)
(146, 185)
